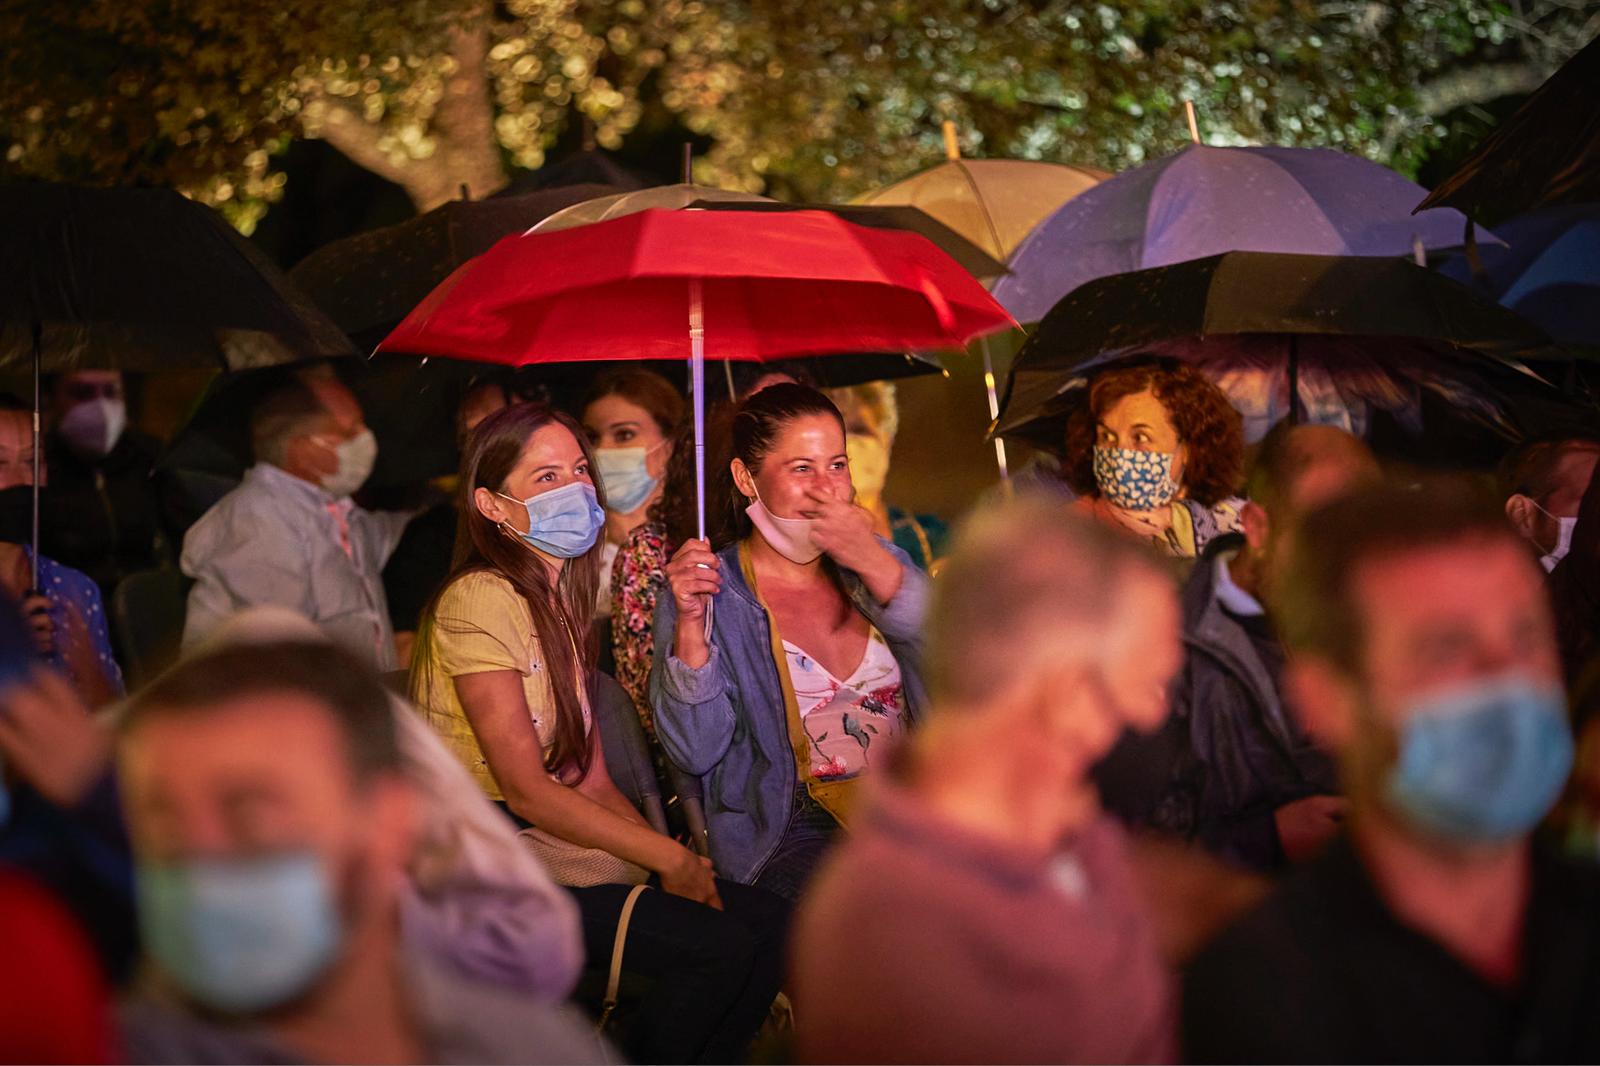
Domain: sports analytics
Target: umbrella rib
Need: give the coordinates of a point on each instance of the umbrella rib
(983, 209)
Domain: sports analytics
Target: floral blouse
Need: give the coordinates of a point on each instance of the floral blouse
(844, 719)
(637, 580)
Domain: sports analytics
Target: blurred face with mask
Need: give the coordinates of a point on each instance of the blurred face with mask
(91, 411)
(1451, 724)
(1544, 509)
(333, 448)
(268, 886)
(870, 422)
(16, 476)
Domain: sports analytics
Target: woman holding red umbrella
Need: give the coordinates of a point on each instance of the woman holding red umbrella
(810, 665)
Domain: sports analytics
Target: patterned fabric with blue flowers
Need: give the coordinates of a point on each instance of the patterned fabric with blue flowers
(1133, 479)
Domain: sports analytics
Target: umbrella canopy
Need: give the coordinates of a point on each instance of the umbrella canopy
(1348, 335)
(659, 198)
(368, 282)
(664, 284)
(591, 166)
(1548, 153)
(143, 279)
(774, 285)
(973, 260)
(1548, 271)
(994, 203)
(1204, 201)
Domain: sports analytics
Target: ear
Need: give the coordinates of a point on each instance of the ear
(490, 505)
(743, 480)
(1253, 517)
(1324, 700)
(1522, 514)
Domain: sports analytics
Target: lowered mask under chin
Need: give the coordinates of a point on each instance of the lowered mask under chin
(789, 537)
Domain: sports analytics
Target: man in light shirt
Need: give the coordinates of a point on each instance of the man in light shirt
(290, 535)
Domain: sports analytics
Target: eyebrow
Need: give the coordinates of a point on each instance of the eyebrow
(624, 424)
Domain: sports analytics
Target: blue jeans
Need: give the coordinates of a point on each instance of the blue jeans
(810, 833)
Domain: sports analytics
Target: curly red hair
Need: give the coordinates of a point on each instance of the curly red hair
(1200, 412)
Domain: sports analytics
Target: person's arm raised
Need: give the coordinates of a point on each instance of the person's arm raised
(844, 531)
(498, 713)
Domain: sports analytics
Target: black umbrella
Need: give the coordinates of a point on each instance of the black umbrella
(140, 279)
(369, 282)
(591, 166)
(974, 260)
(1284, 334)
(1547, 153)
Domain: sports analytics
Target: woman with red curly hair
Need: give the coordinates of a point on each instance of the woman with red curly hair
(1156, 451)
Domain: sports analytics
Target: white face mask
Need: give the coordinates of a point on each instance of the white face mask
(789, 537)
(1564, 528)
(93, 427)
(356, 457)
(1563, 543)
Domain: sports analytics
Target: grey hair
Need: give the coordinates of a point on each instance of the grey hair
(284, 413)
(877, 397)
(1027, 580)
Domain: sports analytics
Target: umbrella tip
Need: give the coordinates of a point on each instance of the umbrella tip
(952, 144)
(1194, 121)
(688, 163)
(466, 191)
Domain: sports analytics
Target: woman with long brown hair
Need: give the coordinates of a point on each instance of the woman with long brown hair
(502, 670)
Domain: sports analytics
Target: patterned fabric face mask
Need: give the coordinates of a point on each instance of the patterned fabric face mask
(1135, 480)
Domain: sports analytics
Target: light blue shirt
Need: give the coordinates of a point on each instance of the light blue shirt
(276, 540)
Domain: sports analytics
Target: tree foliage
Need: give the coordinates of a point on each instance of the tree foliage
(816, 100)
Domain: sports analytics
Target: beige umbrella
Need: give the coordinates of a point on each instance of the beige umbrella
(994, 203)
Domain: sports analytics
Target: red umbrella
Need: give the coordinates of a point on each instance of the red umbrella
(666, 284)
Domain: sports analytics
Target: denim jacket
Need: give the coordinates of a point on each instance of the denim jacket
(726, 721)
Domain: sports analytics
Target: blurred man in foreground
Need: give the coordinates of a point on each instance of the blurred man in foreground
(269, 887)
(982, 909)
(1422, 652)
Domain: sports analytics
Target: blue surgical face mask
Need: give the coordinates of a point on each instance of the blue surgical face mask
(563, 522)
(1483, 762)
(625, 472)
(240, 935)
(1135, 480)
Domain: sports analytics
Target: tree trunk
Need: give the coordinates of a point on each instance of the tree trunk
(466, 153)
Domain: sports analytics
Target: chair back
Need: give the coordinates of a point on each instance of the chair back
(147, 614)
(627, 750)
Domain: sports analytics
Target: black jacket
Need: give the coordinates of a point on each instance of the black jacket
(103, 517)
(1231, 753)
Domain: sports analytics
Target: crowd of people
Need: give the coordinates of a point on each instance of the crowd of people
(1169, 750)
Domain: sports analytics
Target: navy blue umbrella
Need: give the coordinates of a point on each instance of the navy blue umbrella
(1548, 271)
(1205, 201)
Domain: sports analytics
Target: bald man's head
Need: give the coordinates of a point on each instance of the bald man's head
(1032, 586)
(1300, 468)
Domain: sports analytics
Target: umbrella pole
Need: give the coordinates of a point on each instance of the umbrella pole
(1294, 380)
(38, 456)
(994, 411)
(697, 385)
(727, 372)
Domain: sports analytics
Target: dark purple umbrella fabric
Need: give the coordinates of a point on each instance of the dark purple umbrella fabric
(1205, 201)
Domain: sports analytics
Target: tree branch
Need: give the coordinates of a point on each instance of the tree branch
(335, 122)
(1476, 85)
